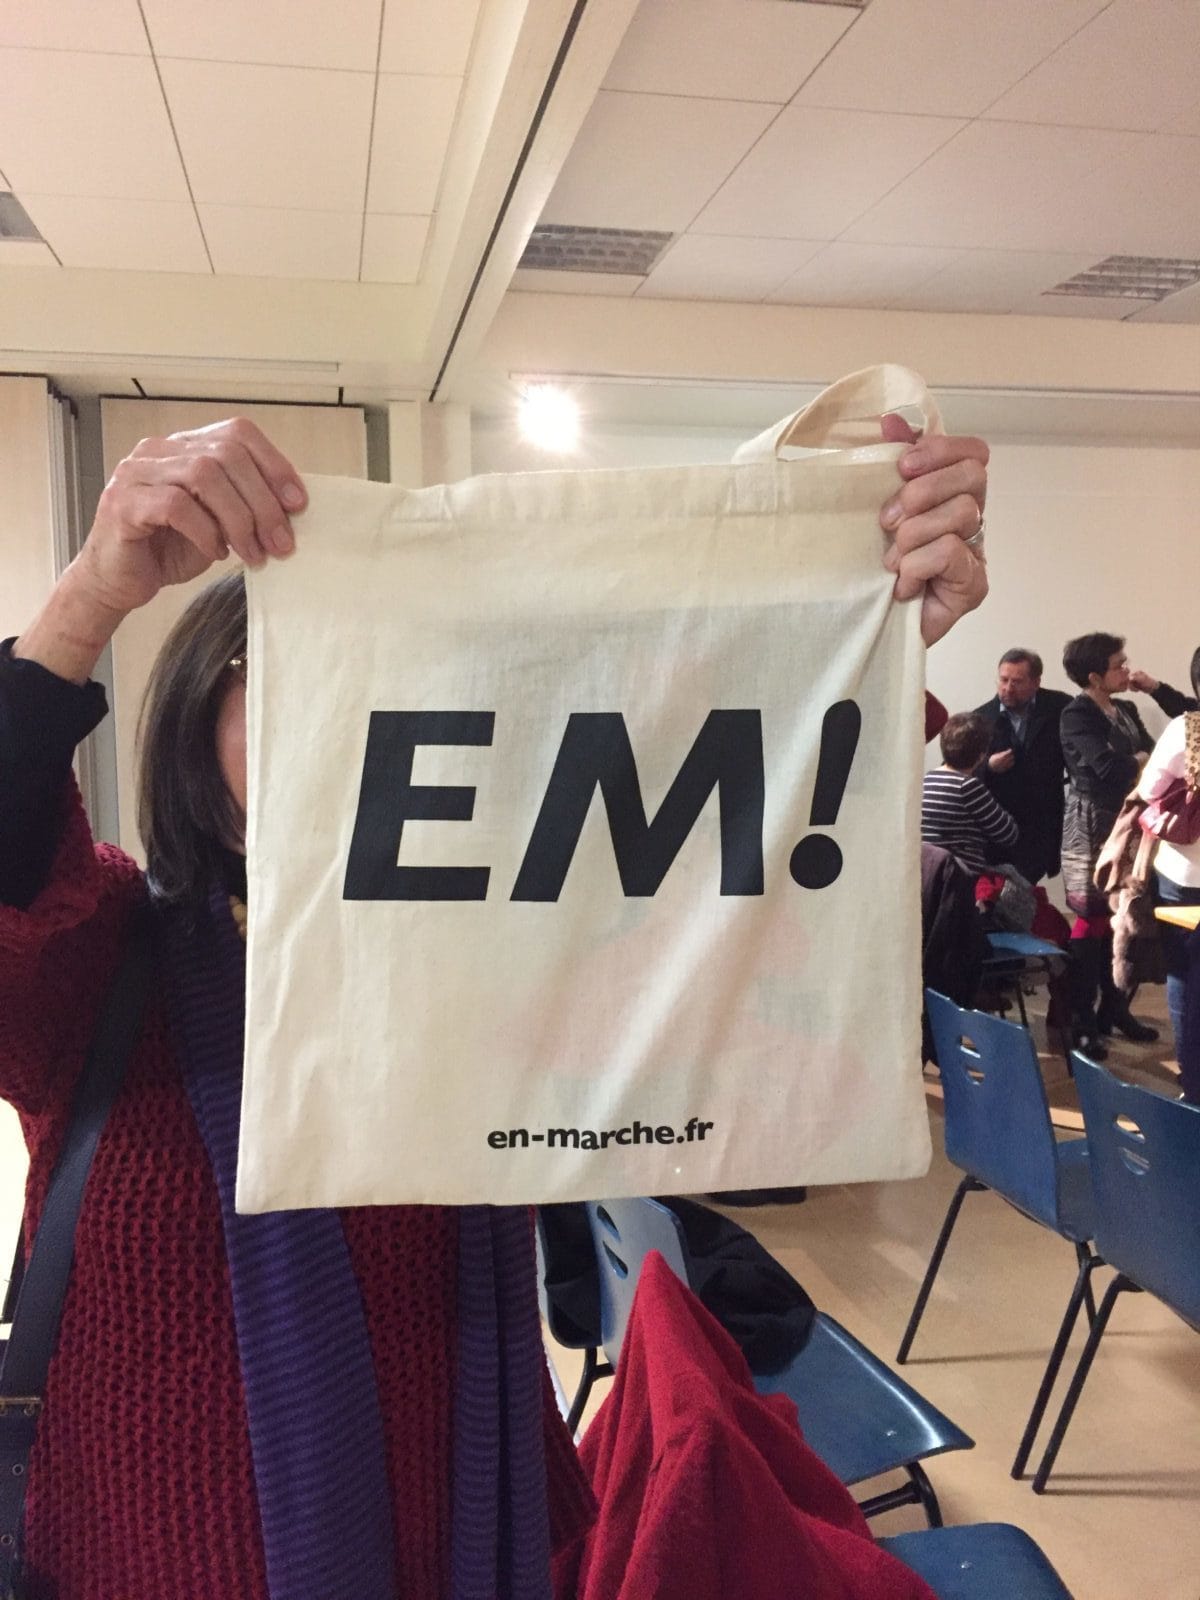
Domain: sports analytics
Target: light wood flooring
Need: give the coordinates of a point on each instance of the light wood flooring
(1121, 1517)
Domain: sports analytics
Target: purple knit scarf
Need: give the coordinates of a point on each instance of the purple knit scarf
(316, 1434)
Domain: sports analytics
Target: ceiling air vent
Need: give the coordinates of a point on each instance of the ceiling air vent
(629, 252)
(15, 221)
(1131, 278)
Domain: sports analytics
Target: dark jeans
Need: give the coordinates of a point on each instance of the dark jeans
(1175, 949)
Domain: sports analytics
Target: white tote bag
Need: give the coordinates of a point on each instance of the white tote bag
(583, 833)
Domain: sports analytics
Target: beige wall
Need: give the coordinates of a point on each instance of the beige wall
(327, 439)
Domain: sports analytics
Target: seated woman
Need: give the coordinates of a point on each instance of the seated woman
(957, 812)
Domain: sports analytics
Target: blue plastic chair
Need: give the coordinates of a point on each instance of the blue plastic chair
(998, 1131)
(859, 1417)
(1013, 956)
(987, 1561)
(1146, 1177)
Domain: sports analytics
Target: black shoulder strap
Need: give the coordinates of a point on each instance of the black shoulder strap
(39, 1304)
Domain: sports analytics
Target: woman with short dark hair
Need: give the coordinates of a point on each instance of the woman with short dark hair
(1105, 744)
(311, 1405)
(957, 812)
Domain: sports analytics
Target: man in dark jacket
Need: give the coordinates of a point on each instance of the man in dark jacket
(1024, 767)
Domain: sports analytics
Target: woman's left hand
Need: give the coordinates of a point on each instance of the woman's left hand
(931, 519)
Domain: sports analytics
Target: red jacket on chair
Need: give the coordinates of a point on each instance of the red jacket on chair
(707, 1490)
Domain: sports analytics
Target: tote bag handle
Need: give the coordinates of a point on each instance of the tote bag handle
(846, 415)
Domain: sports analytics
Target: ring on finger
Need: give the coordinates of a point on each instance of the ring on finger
(976, 539)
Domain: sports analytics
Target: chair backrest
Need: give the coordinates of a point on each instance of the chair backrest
(624, 1233)
(1145, 1159)
(998, 1124)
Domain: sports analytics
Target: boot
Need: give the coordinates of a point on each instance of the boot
(1085, 957)
(1114, 1014)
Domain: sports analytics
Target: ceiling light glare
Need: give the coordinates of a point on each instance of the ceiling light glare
(549, 419)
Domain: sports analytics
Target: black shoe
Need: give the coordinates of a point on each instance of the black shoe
(1090, 1045)
(1119, 1019)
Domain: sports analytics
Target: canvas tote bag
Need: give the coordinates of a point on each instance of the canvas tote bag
(583, 832)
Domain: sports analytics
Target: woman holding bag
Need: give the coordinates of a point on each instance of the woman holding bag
(1169, 784)
(309, 1402)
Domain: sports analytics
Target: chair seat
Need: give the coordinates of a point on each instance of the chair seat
(859, 1416)
(1023, 945)
(990, 1561)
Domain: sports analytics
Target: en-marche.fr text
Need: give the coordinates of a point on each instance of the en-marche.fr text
(633, 1133)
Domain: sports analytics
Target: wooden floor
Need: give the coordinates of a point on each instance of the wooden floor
(1121, 1517)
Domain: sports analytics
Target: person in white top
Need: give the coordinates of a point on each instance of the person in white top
(1177, 866)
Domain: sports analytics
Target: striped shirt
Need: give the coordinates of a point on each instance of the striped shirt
(958, 813)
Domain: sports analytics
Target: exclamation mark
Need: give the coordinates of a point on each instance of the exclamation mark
(816, 860)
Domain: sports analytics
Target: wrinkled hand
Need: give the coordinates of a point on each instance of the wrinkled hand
(178, 504)
(1142, 681)
(939, 507)
(1002, 761)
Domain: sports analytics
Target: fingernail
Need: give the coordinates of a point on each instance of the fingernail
(892, 513)
(281, 540)
(913, 460)
(292, 496)
(892, 559)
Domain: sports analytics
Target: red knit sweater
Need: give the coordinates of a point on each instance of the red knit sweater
(141, 1485)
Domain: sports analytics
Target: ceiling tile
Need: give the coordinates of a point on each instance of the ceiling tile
(651, 161)
(707, 267)
(815, 171)
(114, 26)
(1134, 66)
(270, 32)
(258, 242)
(413, 121)
(25, 253)
(946, 57)
(144, 235)
(1006, 185)
(991, 280)
(1181, 307)
(1145, 201)
(860, 275)
(422, 38)
(393, 248)
(712, 49)
(86, 124)
(272, 136)
(536, 281)
(1189, 122)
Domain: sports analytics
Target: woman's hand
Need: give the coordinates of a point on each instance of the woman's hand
(931, 519)
(178, 504)
(170, 510)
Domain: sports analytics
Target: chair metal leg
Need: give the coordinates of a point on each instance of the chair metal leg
(1119, 1284)
(1082, 1253)
(592, 1369)
(917, 1491)
(931, 1271)
(1082, 1289)
(1021, 1005)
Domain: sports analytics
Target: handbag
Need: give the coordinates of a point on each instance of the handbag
(40, 1280)
(1174, 818)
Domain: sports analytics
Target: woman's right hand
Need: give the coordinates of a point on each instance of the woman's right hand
(177, 505)
(168, 512)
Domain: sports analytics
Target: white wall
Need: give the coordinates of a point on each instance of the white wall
(1079, 538)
